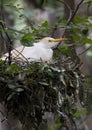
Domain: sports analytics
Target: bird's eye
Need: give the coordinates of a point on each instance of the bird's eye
(49, 40)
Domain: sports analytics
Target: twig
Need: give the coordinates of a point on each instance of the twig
(16, 57)
(20, 53)
(14, 30)
(3, 27)
(68, 119)
(55, 28)
(4, 118)
(74, 13)
(85, 50)
(70, 20)
(67, 7)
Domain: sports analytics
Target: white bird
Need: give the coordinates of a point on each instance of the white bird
(41, 51)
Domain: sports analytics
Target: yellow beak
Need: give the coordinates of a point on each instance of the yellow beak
(59, 40)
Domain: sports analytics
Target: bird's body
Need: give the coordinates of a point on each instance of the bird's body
(41, 51)
(35, 53)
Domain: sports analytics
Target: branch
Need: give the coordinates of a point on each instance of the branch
(85, 50)
(69, 121)
(74, 13)
(55, 28)
(3, 27)
(67, 7)
(14, 30)
(70, 20)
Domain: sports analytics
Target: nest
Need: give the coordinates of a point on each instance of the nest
(29, 91)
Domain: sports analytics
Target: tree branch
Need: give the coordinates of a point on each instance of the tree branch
(74, 13)
(85, 50)
(67, 7)
(55, 28)
(14, 30)
(3, 27)
(70, 20)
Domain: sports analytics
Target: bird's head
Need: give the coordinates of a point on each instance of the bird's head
(49, 42)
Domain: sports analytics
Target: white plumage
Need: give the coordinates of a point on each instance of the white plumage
(40, 51)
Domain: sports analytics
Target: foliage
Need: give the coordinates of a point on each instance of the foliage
(36, 33)
(28, 92)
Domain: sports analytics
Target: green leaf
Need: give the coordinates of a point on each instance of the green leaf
(1, 62)
(19, 89)
(80, 38)
(10, 96)
(1, 21)
(11, 86)
(89, 2)
(45, 24)
(21, 15)
(87, 40)
(78, 20)
(13, 68)
(15, 88)
(27, 39)
(80, 112)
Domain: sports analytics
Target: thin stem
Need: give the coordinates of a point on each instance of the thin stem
(70, 20)
(3, 27)
(55, 28)
(74, 13)
(14, 30)
(67, 7)
(85, 50)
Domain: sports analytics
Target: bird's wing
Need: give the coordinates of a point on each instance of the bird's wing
(34, 53)
(37, 53)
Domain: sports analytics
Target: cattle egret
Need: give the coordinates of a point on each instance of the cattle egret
(40, 51)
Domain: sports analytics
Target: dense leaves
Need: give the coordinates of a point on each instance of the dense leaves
(28, 92)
